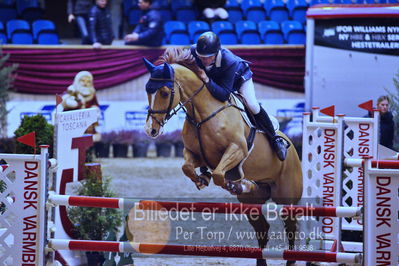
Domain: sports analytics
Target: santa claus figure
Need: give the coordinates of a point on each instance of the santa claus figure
(82, 94)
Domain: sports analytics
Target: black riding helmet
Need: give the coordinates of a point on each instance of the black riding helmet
(208, 44)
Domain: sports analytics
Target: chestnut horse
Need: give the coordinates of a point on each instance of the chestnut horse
(214, 136)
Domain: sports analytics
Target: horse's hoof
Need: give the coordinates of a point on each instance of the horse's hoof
(235, 188)
(204, 179)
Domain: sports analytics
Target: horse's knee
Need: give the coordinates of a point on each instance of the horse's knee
(189, 171)
(218, 178)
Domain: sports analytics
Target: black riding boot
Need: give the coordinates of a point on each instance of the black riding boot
(265, 124)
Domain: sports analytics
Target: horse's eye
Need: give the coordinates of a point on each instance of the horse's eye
(164, 94)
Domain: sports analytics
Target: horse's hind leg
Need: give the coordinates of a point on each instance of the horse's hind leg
(261, 227)
(290, 224)
(258, 222)
(233, 155)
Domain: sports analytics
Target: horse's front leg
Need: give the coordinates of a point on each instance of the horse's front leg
(233, 155)
(192, 161)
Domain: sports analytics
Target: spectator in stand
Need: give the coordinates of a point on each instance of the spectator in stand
(212, 9)
(78, 10)
(387, 126)
(149, 31)
(100, 23)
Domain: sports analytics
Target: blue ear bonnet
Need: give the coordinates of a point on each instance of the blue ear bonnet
(161, 76)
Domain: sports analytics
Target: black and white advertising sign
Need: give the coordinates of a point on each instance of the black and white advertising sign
(371, 35)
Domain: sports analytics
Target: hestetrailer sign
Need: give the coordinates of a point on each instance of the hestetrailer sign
(376, 35)
(352, 55)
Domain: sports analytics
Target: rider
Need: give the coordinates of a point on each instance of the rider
(224, 73)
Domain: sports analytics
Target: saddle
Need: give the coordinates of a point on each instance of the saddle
(239, 101)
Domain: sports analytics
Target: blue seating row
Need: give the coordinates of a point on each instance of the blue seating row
(183, 10)
(19, 31)
(254, 10)
(241, 32)
(26, 9)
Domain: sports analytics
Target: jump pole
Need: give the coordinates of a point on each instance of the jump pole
(210, 207)
(214, 251)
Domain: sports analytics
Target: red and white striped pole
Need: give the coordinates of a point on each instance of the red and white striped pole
(379, 164)
(210, 251)
(233, 208)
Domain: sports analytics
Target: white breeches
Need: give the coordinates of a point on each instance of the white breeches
(248, 92)
(215, 12)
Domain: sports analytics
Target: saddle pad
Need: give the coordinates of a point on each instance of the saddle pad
(235, 100)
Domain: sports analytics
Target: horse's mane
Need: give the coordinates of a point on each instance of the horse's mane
(181, 56)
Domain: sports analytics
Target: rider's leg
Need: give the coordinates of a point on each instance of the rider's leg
(262, 119)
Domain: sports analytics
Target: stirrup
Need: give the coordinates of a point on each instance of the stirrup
(286, 142)
(280, 147)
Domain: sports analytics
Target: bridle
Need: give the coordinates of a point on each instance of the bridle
(169, 111)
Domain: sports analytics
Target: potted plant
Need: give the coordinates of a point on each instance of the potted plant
(95, 223)
(44, 133)
(102, 147)
(177, 142)
(140, 143)
(163, 145)
(121, 143)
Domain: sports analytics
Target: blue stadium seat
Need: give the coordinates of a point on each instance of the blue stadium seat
(186, 15)
(161, 4)
(247, 32)
(276, 10)
(166, 14)
(375, 2)
(196, 28)
(393, 1)
(163, 7)
(48, 37)
(17, 24)
(3, 36)
(29, 9)
(316, 2)
(343, 2)
(44, 32)
(234, 10)
(293, 32)
(42, 24)
(176, 32)
(18, 32)
(297, 9)
(225, 31)
(181, 4)
(270, 32)
(219, 26)
(253, 10)
(7, 13)
(179, 38)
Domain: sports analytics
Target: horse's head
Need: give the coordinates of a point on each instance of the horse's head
(161, 97)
